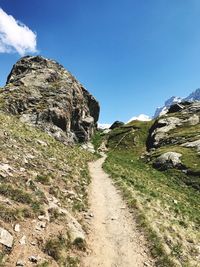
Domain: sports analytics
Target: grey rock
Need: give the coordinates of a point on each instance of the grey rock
(116, 124)
(22, 241)
(6, 238)
(168, 160)
(106, 131)
(17, 227)
(20, 263)
(175, 108)
(161, 128)
(160, 132)
(193, 120)
(46, 95)
(40, 225)
(194, 144)
(76, 232)
(89, 147)
(34, 259)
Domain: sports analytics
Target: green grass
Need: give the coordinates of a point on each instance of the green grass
(20, 196)
(9, 215)
(58, 248)
(167, 208)
(43, 179)
(37, 171)
(97, 139)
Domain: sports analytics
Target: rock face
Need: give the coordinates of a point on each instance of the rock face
(163, 110)
(41, 92)
(194, 144)
(163, 131)
(168, 160)
(116, 124)
(174, 141)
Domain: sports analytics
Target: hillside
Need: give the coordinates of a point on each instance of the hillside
(43, 189)
(44, 113)
(162, 186)
(43, 93)
(45, 220)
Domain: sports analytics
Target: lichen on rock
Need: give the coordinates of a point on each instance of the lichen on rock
(41, 92)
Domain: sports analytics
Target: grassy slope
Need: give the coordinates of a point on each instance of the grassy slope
(167, 208)
(38, 164)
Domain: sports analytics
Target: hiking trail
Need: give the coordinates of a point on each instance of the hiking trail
(114, 239)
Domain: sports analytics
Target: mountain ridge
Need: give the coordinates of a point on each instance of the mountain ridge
(194, 96)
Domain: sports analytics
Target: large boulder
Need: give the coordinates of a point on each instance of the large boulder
(159, 131)
(41, 92)
(168, 160)
(175, 108)
(163, 129)
(116, 124)
(194, 144)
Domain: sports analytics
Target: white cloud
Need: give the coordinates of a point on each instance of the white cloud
(141, 117)
(104, 125)
(15, 36)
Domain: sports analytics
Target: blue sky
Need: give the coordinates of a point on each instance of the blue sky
(130, 54)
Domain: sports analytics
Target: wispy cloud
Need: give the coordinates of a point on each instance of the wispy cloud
(15, 36)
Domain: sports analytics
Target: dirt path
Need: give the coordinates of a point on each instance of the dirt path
(114, 239)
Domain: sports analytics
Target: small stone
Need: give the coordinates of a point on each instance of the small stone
(33, 243)
(146, 264)
(40, 142)
(40, 225)
(6, 238)
(22, 241)
(42, 218)
(17, 228)
(20, 263)
(34, 259)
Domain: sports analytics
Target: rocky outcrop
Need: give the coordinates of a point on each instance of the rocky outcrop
(116, 124)
(194, 144)
(175, 108)
(168, 160)
(41, 92)
(161, 133)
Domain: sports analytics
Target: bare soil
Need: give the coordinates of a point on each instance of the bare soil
(114, 239)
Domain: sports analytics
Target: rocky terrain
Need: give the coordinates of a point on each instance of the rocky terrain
(43, 197)
(156, 165)
(43, 173)
(174, 141)
(41, 92)
(45, 216)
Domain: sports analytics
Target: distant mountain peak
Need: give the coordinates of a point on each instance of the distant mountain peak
(194, 96)
(163, 110)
